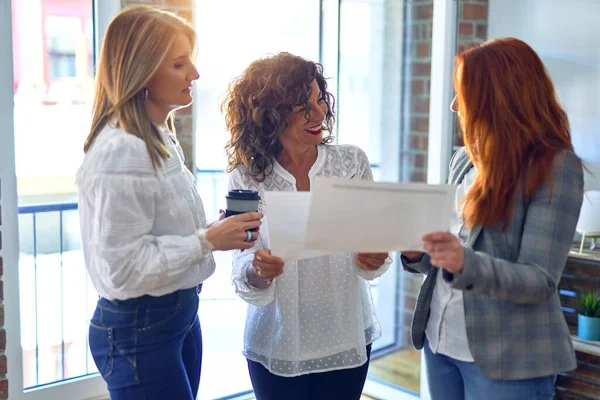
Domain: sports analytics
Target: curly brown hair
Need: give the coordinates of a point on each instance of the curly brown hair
(258, 104)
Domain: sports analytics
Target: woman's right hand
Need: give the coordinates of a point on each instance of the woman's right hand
(413, 256)
(230, 233)
(266, 265)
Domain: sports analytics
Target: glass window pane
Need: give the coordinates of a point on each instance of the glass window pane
(52, 54)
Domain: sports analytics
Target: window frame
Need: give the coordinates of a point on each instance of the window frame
(441, 118)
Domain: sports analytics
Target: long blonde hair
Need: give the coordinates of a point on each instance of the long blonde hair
(135, 45)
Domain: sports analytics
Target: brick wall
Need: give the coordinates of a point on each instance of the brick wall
(417, 56)
(183, 119)
(417, 53)
(3, 369)
(472, 29)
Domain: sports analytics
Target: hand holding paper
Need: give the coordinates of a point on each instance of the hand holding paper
(266, 265)
(445, 251)
(370, 261)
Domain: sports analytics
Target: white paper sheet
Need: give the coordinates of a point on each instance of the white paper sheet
(341, 215)
(286, 215)
(363, 216)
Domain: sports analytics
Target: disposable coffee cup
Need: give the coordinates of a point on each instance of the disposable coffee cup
(241, 201)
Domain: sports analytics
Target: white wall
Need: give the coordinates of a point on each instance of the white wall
(566, 35)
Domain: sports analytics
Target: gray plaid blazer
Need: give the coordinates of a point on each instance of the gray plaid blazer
(515, 326)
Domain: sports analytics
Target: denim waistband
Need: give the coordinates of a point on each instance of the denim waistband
(147, 300)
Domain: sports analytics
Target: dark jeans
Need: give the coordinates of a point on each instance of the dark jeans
(451, 379)
(346, 384)
(149, 347)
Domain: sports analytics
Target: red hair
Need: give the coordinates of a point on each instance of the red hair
(513, 126)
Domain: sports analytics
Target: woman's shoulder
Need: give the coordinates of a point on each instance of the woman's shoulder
(241, 178)
(568, 159)
(567, 168)
(342, 151)
(461, 152)
(117, 151)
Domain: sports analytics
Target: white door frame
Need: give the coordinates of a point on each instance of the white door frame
(87, 387)
(445, 19)
(8, 199)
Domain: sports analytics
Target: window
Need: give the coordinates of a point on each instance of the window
(62, 34)
(52, 53)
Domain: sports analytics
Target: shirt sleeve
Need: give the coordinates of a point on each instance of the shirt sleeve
(241, 260)
(371, 275)
(422, 266)
(123, 193)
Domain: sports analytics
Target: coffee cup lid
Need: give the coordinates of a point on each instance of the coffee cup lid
(243, 194)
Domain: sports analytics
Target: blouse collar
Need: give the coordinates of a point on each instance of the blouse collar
(316, 167)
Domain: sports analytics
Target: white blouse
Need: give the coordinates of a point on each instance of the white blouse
(319, 315)
(141, 230)
(446, 328)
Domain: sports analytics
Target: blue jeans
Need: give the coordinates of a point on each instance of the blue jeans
(148, 347)
(451, 379)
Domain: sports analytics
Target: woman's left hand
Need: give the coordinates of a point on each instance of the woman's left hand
(445, 251)
(370, 261)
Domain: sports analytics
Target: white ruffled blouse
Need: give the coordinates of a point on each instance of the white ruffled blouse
(141, 229)
(319, 315)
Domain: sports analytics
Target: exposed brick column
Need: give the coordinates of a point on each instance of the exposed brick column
(3, 369)
(417, 78)
(472, 23)
(183, 118)
(472, 30)
(419, 21)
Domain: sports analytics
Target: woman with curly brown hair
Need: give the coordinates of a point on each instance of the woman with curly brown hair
(310, 322)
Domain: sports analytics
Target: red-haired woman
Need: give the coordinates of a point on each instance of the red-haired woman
(489, 316)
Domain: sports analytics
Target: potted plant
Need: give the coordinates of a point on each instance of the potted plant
(588, 320)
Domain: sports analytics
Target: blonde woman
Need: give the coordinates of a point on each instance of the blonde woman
(145, 239)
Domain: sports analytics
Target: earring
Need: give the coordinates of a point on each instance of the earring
(145, 93)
